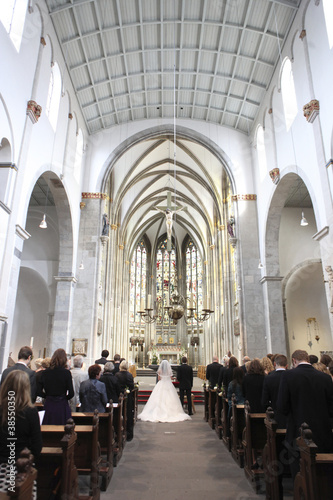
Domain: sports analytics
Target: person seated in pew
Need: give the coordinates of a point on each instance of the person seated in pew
(271, 389)
(56, 386)
(20, 427)
(253, 384)
(236, 387)
(111, 382)
(93, 392)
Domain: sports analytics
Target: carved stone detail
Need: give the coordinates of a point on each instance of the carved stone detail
(34, 111)
(244, 197)
(311, 110)
(275, 175)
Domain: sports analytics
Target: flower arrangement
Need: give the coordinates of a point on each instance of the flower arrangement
(127, 390)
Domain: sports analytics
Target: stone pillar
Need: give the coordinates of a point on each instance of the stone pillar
(63, 313)
(274, 313)
(85, 306)
(251, 311)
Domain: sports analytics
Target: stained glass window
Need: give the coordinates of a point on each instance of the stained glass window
(138, 282)
(194, 277)
(166, 278)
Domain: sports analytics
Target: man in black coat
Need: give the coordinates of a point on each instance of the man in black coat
(270, 389)
(24, 358)
(103, 359)
(306, 395)
(212, 372)
(185, 379)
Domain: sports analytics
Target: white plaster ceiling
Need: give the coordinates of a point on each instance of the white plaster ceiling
(209, 60)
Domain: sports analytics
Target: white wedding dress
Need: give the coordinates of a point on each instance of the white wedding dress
(164, 404)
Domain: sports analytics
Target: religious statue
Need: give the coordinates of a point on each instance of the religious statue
(106, 225)
(168, 219)
(230, 226)
(329, 271)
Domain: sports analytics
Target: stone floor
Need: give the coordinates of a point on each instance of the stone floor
(178, 461)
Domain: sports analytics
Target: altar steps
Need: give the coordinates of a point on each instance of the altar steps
(144, 395)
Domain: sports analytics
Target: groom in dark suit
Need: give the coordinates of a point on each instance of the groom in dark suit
(185, 378)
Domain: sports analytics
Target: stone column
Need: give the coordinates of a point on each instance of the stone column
(63, 313)
(251, 313)
(275, 325)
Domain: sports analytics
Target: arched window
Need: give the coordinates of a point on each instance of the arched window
(288, 94)
(138, 284)
(53, 97)
(78, 156)
(328, 12)
(12, 16)
(261, 152)
(166, 279)
(194, 276)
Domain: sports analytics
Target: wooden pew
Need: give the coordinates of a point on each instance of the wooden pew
(254, 440)
(237, 424)
(211, 408)
(135, 403)
(26, 474)
(105, 439)
(315, 479)
(206, 399)
(58, 453)
(225, 422)
(87, 456)
(118, 427)
(218, 414)
(275, 460)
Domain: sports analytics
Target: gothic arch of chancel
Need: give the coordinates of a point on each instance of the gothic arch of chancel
(144, 177)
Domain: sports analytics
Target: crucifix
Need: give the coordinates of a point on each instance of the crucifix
(168, 211)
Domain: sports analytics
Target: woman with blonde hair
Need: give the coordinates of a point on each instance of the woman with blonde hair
(19, 418)
(267, 365)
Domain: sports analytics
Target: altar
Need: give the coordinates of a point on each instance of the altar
(169, 352)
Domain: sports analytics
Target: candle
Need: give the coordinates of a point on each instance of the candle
(188, 345)
(191, 301)
(142, 305)
(205, 304)
(31, 342)
(149, 302)
(208, 303)
(167, 301)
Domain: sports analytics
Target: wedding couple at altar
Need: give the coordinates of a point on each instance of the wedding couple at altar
(164, 404)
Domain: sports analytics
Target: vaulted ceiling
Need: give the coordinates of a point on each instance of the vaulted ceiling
(209, 60)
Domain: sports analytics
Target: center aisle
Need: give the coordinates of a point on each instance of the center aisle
(177, 461)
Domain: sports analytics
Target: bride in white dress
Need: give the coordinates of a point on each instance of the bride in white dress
(164, 404)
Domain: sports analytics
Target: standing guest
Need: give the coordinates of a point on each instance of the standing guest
(225, 363)
(236, 387)
(126, 383)
(78, 375)
(267, 365)
(24, 359)
(25, 419)
(116, 362)
(212, 372)
(228, 373)
(103, 359)
(185, 378)
(325, 359)
(313, 359)
(271, 389)
(306, 395)
(56, 386)
(93, 392)
(111, 382)
(322, 368)
(244, 361)
(253, 385)
(43, 363)
(330, 368)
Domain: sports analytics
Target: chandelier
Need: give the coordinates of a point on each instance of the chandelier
(177, 308)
